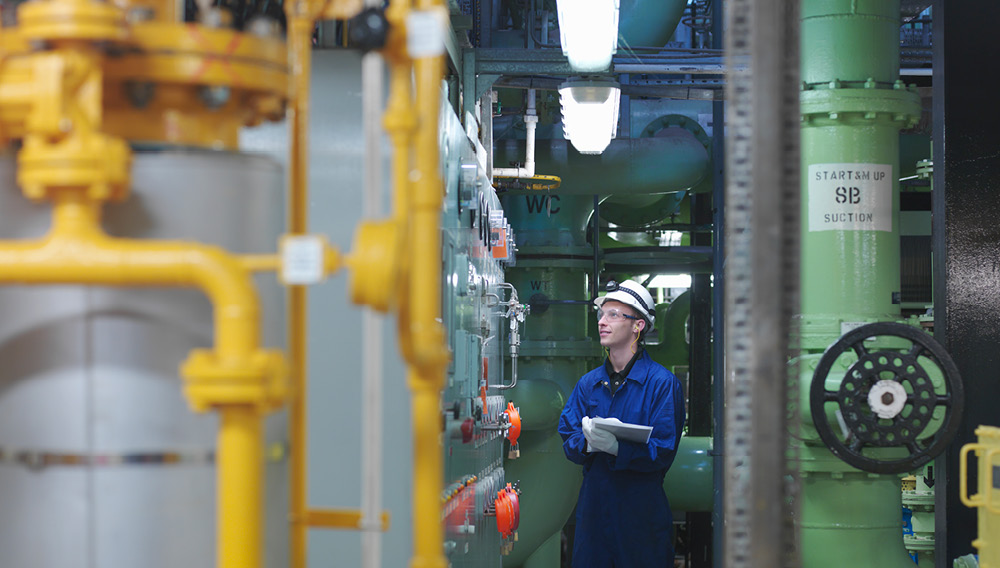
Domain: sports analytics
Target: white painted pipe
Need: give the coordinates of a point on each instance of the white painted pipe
(530, 122)
(372, 69)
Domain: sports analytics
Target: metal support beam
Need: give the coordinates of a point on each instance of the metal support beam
(762, 228)
(523, 62)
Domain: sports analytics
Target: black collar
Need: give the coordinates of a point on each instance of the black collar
(616, 380)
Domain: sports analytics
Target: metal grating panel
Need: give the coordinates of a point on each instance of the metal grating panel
(762, 279)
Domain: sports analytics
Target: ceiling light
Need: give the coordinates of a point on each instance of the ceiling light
(588, 31)
(590, 113)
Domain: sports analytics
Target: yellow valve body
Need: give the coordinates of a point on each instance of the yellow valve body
(987, 500)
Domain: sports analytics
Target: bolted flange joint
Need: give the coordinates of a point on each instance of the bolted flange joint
(867, 101)
(259, 380)
(96, 162)
(72, 20)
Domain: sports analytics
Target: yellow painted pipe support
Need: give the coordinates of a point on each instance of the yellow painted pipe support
(340, 519)
(299, 15)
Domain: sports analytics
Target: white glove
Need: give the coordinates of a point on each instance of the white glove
(597, 439)
(587, 425)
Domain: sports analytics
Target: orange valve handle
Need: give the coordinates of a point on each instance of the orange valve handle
(514, 417)
(505, 513)
(515, 505)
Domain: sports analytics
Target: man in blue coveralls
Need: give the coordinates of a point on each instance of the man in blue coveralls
(623, 519)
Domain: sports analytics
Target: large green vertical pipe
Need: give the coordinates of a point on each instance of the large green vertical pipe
(853, 107)
(555, 352)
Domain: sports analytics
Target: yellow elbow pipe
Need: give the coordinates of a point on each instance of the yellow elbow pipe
(76, 251)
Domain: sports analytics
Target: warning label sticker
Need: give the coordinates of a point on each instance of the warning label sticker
(850, 197)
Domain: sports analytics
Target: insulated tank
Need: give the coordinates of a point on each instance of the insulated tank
(103, 464)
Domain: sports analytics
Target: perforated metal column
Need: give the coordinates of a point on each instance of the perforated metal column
(762, 231)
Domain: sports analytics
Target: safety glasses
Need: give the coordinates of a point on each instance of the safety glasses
(613, 314)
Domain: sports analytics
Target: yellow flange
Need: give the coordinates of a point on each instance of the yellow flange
(197, 55)
(259, 380)
(193, 85)
(73, 20)
(373, 264)
(96, 162)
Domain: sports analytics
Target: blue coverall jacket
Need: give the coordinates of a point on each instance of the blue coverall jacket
(623, 518)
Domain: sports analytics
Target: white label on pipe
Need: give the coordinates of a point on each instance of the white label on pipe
(425, 31)
(302, 259)
(850, 197)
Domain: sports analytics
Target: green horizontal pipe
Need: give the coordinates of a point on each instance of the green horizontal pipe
(648, 23)
(688, 483)
(640, 210)
(539, 402)
(670, 162)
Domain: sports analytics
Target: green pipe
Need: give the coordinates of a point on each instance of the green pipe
(555, 352)
(675, 161)
(539, 401)
(549, 219)
(688, 483)
(671, 348)
(853, 107)
(852, 520)
(550, 484)
(640, 210)
(548, 555)
(648, 23)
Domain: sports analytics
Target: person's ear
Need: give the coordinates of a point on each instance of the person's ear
(638, 326)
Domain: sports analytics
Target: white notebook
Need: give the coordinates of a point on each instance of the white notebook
(625, 431)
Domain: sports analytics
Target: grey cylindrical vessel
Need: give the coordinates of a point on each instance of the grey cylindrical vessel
(93, 371)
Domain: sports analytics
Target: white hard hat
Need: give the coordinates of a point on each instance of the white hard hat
(633, 294)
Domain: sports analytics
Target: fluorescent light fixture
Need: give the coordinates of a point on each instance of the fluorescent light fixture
(588, 31)
(590, 113)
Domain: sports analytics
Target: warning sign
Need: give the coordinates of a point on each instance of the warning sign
(850, 197)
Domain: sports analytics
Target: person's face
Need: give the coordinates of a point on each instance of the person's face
(616, 325)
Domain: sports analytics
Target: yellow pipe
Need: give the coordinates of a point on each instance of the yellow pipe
(240, 486)
(429, 357)
(300, 39)
(400, 116)
(428, 534)
(76, 251)
(400, 123)
(340, 519)
(260, 262)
